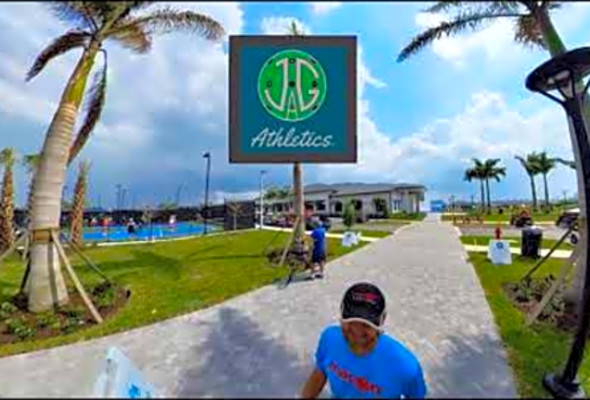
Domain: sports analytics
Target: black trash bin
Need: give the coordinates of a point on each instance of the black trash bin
(531, 242)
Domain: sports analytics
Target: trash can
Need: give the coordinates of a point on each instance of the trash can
(531, 242)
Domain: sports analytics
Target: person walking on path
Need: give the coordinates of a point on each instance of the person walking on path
(359, 359)
(318, 256)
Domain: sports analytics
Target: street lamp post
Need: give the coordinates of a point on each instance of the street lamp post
(262, 173)
(207, 155)
(563, 73)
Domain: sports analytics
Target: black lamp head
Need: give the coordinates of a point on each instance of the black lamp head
(561, 71)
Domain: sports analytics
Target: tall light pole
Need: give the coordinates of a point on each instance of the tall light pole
(262, 173)
(207, 155)
(563, 73)
(118, 186)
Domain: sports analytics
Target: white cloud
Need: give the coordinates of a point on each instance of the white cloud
(487, 128)
(324, 7)
(495, 39)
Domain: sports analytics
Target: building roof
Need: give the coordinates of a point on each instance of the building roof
(342, 189)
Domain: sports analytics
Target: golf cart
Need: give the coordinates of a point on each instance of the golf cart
(568, 219)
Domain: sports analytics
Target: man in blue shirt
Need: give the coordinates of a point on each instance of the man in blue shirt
(318, 256)
(358, 359)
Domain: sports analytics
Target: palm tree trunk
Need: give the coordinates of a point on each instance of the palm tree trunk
(533, 191)
(7, 212)
(299, 210)
(47, 286)
(483, 203)
(546, 191)
(77, 229)
(488, 195)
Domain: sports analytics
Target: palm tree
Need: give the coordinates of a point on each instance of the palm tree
(93, 24)
(7, 201)
(491, 170)
(531, 166)
(470, 175)
(236, 210)
(78, 204)
(544, 166)
(477, 172)
(533, 27)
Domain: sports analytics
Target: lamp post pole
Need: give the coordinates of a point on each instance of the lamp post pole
(563, 73)
(207, 155)
(262, 173)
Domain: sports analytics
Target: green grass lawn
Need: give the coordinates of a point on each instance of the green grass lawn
(506, 215)
(403, 216)
(366, 233)
(168, 279)
(516, 241)
(532, 351)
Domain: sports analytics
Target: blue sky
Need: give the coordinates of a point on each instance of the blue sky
(419, 121)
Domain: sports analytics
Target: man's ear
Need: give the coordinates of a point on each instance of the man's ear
(383, 317)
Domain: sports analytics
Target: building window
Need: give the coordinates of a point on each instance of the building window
(358, 205)
(338, 207)
(321, 205)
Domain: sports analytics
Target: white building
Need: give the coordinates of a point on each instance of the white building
(377, 199)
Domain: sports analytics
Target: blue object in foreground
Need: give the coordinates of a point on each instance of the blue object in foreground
(116, 233)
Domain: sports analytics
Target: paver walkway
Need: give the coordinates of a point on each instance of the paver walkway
(261, 344)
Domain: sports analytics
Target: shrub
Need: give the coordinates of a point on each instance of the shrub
(349, 215)
(47, 320)
(19, 328)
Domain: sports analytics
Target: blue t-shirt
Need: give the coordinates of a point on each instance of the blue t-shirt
(319, 239)
(388, 371)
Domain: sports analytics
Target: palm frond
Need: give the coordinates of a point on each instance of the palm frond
(97, 94)
(133, 37)
(462, 22)
(31, 161)
(528, 32)
(571, 164)
(81, 14)
(444, 6)
(7, 156)
(61, 45)
(167, 20)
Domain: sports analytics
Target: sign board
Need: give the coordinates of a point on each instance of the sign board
(119, 378)
(499, 252)
(350, 239)
(292, 99)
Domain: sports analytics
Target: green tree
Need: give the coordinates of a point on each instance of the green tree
(544, 166)
(94, 23)
(567, 163)
(349, 216)
(491, 170)
(7, 159)
(531, 166)
(477, 173)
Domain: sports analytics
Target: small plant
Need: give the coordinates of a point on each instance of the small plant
(349, 216)
(19, 328)
(47, 320)
(104, 294)
(8, 307)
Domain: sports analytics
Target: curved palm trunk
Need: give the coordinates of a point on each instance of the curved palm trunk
(7, 212)
(299, 208)
(47, 287)
(488, 195)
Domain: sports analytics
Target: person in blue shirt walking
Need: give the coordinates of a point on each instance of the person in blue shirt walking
(358, 359)
(318, 256)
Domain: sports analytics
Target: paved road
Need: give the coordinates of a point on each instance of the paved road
(261, 344)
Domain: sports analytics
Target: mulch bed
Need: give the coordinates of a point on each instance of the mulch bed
(557, 313)
(17, 324)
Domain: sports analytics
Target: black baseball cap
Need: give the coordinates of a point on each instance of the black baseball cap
(364, 302)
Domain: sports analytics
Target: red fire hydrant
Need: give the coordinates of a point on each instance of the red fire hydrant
(498, 232)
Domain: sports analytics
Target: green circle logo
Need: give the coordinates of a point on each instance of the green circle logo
(292, 85)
